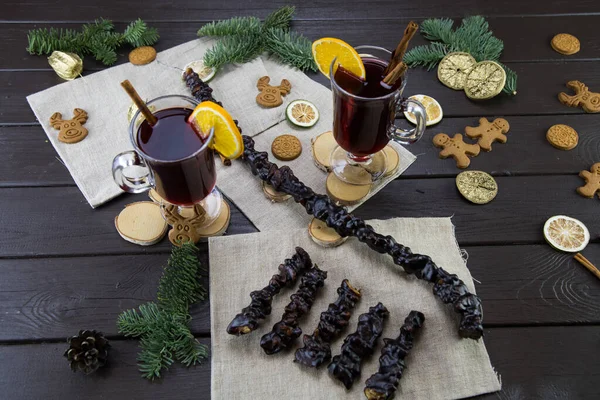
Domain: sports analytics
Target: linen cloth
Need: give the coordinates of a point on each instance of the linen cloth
(101, 95)
(441, 364)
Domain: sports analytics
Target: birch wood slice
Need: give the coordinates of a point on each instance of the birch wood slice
(155, 197)
(323, 235)
(343, 192)
(393, 159)
(273, 195)
(141, 223)
(322, 147)
(220, 225)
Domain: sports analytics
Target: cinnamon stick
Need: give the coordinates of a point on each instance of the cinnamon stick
(392, 77)
(586, 263)
(224, 160)
(141, 104)
(400, 50)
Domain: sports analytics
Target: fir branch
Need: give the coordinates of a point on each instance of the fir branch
(232, 26)
(510, 87)
(103, 52)
(233, 49)
(138, 34)
(163, 327)
(280, 19)
(45, 41)
(438, 30)
(291, 48)
(426, 55)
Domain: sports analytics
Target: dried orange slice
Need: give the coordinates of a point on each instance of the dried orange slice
(566, 233)
(227, 139)
(326, 49)
(454, 68)
(486, 80)
(433, 110)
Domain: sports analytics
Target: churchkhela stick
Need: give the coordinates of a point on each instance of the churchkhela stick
(448, 287)
(383, 384)
(260, 306)
(345, 367)
(317, 347)
(286, 331)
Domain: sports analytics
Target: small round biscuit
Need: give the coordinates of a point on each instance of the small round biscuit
(566, 44)
(286, 147)
(142, 55)
(562, 137)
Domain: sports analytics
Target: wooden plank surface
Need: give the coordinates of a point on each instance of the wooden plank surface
(534, 363)
(44, 299)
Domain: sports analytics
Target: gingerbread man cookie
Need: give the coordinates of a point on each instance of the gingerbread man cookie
(271, 96)
(71, 130)
(489, 132)
(589, 101)
(456, 148)
(592, 181)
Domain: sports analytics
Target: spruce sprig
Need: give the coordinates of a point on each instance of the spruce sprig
(97, 39)
(241, 39)
(473, 36)
(163, 326)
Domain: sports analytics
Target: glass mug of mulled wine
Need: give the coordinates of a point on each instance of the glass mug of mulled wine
(171, 158)
(364, 114)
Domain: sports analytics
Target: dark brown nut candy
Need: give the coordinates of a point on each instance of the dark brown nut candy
(383, 384)
(317, 347)
(286, 331)
(260, 306)
(345, 367)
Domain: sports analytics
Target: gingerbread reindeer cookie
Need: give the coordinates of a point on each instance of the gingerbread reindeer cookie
(71, 130)
(589, 101)
(489, 132)
(592, 181)
(271, 96)
(456, 148)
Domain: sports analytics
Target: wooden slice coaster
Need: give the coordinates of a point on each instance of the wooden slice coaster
(141, 223)
(393, 159)
(343, 192)
(273, 195)
(323, 235)
(220, 225)
(155, 197)
(322, 147)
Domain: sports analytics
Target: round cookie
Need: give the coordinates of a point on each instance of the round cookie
(142, 55)
(477, 186)
(562, 137)
(286, 147)
(343, 192)
(566, 44)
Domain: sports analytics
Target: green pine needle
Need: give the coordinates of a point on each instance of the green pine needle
(473, 36)
(233, 49)
(97, 38)
(291, 48)
(163, 327)
(233, 26)
(242, 39)
(280, 18)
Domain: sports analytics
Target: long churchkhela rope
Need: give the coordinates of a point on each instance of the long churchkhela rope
(448, 287)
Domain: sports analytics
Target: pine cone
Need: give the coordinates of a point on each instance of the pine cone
(87, 351)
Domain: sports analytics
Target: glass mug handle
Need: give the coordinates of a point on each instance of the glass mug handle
(137, 184)
(412, 135)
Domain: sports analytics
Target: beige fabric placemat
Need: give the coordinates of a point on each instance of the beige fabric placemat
(101, 95)
(441, 365)
(245, 190)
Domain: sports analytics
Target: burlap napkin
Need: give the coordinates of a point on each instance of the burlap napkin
(101, 95)
(441, 365)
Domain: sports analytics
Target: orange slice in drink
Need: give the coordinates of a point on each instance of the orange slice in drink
(326, 49)
(227, 139)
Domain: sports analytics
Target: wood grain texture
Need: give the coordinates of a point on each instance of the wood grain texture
(44, 298)
(532, 43)
(29, 160)
(534, 363)
(539, 85)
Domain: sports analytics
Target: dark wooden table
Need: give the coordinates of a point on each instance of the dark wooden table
(63, 267)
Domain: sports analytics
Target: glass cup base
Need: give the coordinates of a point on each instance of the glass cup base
(358, 170)
(211, 205)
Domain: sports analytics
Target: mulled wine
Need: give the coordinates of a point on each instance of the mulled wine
(362, 120)
(183, 174)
